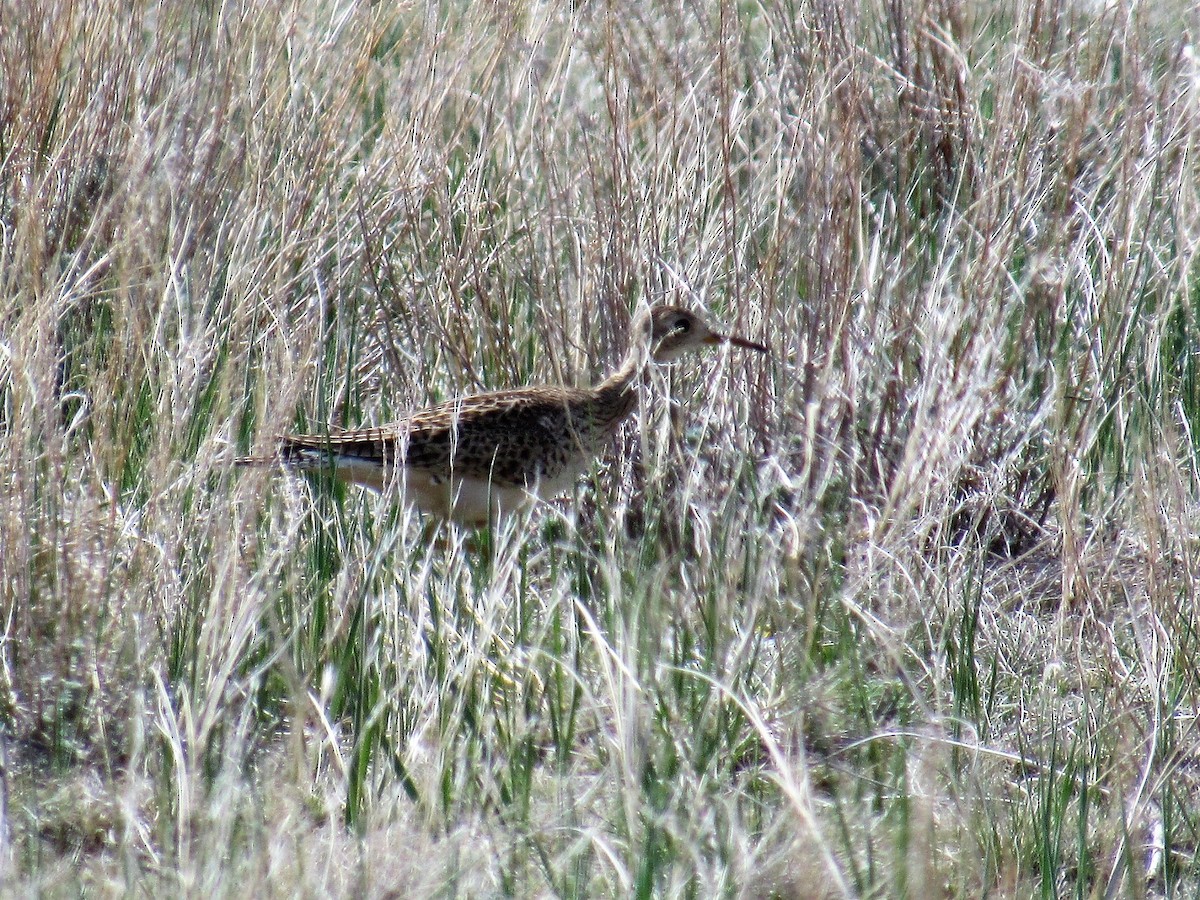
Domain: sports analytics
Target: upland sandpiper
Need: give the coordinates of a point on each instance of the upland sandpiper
(472, 458)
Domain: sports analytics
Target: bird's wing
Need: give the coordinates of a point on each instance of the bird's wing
(507, 436)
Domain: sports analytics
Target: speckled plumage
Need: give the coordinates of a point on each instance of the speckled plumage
(472, 458)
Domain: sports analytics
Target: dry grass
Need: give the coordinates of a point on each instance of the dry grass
(906, 609)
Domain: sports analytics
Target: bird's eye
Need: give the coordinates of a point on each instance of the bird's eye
(683, 325)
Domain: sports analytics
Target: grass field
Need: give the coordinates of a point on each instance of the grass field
(905, 609)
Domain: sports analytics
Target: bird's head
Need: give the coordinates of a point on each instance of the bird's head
(675, 331)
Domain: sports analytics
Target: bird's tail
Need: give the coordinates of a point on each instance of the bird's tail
(260, 462)
(294, 453)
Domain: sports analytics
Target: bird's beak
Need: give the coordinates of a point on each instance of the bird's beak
(736, 341)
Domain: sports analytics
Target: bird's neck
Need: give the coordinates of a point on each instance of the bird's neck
(616, 395)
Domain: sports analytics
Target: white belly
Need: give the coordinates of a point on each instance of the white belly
(467, 500)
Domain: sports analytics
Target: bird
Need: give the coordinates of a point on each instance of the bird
(471, 459)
